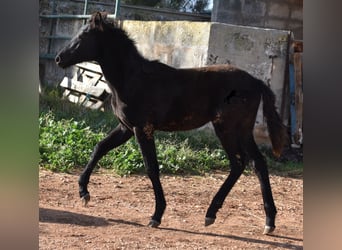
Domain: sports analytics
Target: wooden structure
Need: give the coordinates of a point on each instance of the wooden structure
(87, 87)
(296, 92)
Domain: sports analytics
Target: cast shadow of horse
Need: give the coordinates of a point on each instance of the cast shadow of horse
(48, 215)
(245, 239)
(65, 217)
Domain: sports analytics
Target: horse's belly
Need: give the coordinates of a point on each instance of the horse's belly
(187, 123)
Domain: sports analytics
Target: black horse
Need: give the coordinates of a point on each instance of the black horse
(148, 96)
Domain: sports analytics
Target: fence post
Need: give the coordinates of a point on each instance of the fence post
(117, 9)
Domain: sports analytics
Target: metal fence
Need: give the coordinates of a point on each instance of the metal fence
(51, 20)
(54, 16)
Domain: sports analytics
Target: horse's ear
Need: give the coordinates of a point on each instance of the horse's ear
(97, 20)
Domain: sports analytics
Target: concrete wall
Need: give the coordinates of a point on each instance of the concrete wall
(277, 14)
(179, 43)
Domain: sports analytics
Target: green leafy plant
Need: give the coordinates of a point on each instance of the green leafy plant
(66, 144)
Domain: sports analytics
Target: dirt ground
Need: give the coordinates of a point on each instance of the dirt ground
(120, 209)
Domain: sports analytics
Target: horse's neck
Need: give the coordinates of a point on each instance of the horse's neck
(118, 68)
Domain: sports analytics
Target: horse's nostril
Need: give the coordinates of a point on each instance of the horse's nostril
(57, 59)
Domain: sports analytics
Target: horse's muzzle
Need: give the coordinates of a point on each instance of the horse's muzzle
(60, 62)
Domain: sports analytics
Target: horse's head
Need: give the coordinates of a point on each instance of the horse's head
(85, 45)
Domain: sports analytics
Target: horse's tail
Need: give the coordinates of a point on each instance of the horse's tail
(276, 129)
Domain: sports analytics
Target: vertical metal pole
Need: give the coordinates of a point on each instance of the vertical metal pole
(85, 9)
(292, 101)
(52, 25)
(117, 9)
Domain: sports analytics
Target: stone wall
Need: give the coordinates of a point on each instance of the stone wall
(277, 14)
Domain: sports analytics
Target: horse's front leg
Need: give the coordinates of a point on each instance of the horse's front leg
(116, 137)
(148, 149)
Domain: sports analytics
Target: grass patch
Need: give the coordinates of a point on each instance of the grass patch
(66, 144)
(289, 164)
(288, 168)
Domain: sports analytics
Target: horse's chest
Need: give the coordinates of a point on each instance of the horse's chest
(127, 114)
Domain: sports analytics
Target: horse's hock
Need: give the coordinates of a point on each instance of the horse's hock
(183, 44)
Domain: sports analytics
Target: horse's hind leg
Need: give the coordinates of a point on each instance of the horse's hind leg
(260, 168)
(236, 156)
(115, 138)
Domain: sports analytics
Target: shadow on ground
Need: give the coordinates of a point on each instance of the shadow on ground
(65, 217)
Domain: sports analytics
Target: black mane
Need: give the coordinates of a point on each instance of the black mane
(113, 27)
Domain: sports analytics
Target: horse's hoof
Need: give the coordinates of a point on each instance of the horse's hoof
(85, 199)
(268, 230)
(153, 223)
(209, 221)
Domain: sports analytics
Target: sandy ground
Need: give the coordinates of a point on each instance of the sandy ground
(120, 209)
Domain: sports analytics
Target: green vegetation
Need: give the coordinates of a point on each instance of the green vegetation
(68, 134)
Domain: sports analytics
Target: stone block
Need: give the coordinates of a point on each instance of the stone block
(231, 17)
(255, 21)
(188, 57)
(254, 8)
(297, 28)
(139, 31)
(297, 14)
(280, 10)
(276, 23)
(177, 43)
(234, 5)
(165, 32)
(192, 34)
